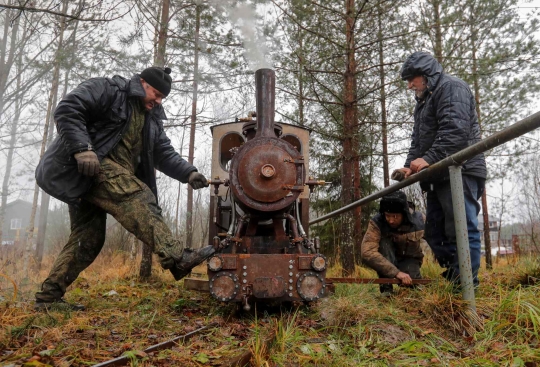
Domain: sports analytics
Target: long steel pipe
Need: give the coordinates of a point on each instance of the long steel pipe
(524, 126)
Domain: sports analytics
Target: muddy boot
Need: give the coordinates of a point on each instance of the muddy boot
(387, 290)
(57, 305)
(190, 259)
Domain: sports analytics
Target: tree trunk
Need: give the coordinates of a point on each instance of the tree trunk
(438, 31)
(7, 57)
(189, 210)
(46, 198)
(45, 201)
(350, 176)
(47, 132)
(179, 196)
(476, 85)
(9, 159)
(146, 262)
(162, 35)
(382, 77)
(133, 247)
(145, 269)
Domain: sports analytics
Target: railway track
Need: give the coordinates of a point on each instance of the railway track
(246, 356)
(242, 359)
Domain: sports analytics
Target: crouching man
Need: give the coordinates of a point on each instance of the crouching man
(391, 245)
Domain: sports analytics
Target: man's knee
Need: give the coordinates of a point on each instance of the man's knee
(444, 253)
(412, 267)
(388, 250)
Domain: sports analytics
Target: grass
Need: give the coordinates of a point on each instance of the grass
(428, 326)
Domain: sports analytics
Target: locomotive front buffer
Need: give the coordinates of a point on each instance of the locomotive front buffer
(276, 277)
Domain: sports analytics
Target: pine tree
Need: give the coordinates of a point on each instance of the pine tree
(341, 88)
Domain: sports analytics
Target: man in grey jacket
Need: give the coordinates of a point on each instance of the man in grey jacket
(110, 142)
(445, 122)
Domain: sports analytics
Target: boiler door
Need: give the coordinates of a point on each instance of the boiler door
(264, 171)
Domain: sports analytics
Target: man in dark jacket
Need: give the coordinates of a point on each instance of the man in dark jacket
(445, 122)
(110, 141)
(391, 245)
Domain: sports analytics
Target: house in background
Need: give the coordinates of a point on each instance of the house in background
(16, 221)
(505, 243)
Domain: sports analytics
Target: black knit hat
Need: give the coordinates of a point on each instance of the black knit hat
(158, 78)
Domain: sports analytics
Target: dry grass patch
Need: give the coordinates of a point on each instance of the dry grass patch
(428, 326)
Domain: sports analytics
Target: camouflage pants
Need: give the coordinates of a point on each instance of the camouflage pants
(133, 205)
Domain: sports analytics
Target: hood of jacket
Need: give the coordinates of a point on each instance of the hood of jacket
(422, 63)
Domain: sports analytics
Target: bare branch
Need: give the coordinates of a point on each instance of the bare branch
(76, 16)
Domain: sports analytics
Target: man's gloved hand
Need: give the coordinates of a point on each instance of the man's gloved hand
(398, 175)
(401, 174)
(87, 162)
(197, 180)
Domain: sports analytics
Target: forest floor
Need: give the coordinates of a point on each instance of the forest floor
(354, 327)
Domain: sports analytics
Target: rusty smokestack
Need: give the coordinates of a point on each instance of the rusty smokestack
(265, 85)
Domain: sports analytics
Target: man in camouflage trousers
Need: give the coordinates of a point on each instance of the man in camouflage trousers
(392, 243)
(110, 141)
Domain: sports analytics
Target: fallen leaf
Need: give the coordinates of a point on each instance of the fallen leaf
(140, 353)
(305, 349)
(36, 364)
(498, 346)
(202, 358)
(46, 352)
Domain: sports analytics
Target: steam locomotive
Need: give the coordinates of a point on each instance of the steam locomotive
(259, 209)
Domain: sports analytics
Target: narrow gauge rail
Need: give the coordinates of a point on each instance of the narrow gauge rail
(240, 360)
(120, 361)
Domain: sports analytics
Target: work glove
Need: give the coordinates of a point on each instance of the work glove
(87, 162)
(398, 175)
(197, 180)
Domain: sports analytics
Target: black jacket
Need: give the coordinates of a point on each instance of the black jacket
(445, 119)
(93, 117)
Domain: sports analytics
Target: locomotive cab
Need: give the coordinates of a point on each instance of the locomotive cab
(259, 209)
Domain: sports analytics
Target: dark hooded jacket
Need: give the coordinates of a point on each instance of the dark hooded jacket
(406, 238)
(94, 116)
(445, 119)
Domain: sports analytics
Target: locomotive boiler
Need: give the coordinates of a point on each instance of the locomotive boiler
(259, 209)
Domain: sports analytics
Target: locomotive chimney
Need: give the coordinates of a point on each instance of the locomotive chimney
(265, 84)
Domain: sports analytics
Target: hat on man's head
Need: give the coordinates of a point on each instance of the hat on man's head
(158, 78)
(395, 202)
